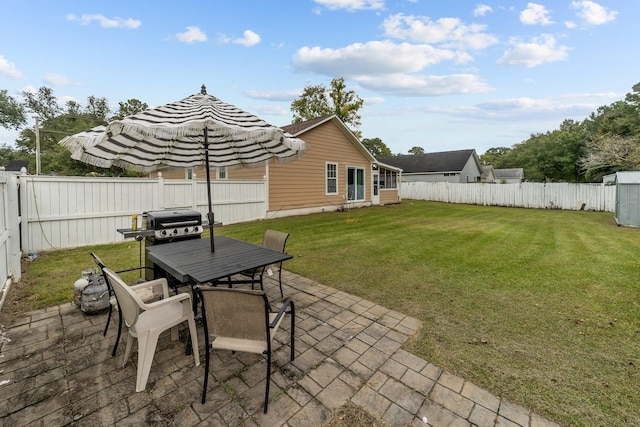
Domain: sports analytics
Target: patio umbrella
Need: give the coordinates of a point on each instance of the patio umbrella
(199, 130)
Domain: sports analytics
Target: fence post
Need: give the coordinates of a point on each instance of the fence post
(14, 228)
(161, 191)
(24, 210)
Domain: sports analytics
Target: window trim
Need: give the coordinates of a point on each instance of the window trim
(355, 170)
(327, 178)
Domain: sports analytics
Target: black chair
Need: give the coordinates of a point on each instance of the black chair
(276, 240)
(241, 320)
(146, 294)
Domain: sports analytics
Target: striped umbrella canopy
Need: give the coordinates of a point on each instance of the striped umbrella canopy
(199, 130)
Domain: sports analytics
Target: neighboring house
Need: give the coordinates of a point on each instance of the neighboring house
(16, 165)
(509, 176)
(335, 172)
(459, 166)
(488, 174)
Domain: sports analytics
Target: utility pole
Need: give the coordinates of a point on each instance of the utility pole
(37, 147)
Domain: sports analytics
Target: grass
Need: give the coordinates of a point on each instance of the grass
(540, 307)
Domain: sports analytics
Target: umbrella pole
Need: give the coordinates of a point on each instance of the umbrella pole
(210, 213)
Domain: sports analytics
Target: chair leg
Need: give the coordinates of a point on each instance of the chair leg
(104, 334)
(293, 330)
(147, 343)
(266, 393)
(115, 347)
(193, 335)
(127, 351)
(206, 373)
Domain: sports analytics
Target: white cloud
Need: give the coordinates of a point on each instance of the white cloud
(192, 35)
(352, 5)
(270, 110)
(250, 39)
(530, 108)
(9, 69)
(570, 25)
(105, 22)
(370, 58)
(421, 85)
(482, 9)
(535, 14)
(450, 32)
(285, 95)
(593, 13)
(56, 79)
(538, 51)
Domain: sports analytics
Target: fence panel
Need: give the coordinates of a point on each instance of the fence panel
(594, 197)
(66, 212)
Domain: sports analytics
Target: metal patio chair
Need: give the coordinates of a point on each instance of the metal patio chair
(241, 320)
(275, 240)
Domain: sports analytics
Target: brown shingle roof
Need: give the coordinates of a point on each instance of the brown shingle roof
(296, 128)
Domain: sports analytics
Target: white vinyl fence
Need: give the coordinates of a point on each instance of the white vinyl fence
(9, 236)
(67, 212)
(592, 197)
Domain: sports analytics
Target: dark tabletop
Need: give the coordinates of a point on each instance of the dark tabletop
(193, 261)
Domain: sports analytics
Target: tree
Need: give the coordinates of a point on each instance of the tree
(42, 103)
(416, 150)
(129, 108)
(495, 157)
(12, 113)
(318, 101)
(376, 147)
(312, 103)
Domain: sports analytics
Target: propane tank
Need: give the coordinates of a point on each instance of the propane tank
(80, 284)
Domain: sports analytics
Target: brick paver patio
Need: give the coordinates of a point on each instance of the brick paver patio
(57, 370)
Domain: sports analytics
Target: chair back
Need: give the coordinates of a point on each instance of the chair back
(275, 240)
(98, 261)
(236, 313)
(129, 302)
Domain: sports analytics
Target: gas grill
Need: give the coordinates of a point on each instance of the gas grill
(170, 226)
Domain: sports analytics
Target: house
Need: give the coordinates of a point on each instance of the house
(334, 173)
(459, 166)
(488, 174)
(509, 176)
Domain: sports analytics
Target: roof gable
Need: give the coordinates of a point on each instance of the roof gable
(444, 161)
(297, 129)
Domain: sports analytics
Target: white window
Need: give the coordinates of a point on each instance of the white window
(332, 178)
(355, 184)
(222, 173)
(189, 173)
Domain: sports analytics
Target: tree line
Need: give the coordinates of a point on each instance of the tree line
(606, 142)
(56, 122)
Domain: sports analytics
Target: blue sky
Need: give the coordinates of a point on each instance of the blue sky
(442, 75)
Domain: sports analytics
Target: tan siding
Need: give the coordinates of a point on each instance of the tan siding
(302, 183)
(388, 196)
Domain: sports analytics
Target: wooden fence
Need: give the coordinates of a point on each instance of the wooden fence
(66, 212)
(593, 197)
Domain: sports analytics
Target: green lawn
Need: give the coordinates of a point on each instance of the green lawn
(540, 307)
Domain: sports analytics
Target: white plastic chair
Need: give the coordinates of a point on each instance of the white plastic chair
(147, 321)
(151, 291)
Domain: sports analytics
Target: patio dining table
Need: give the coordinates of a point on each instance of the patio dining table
(191, 262)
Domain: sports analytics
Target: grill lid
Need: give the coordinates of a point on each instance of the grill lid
(175, 224)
